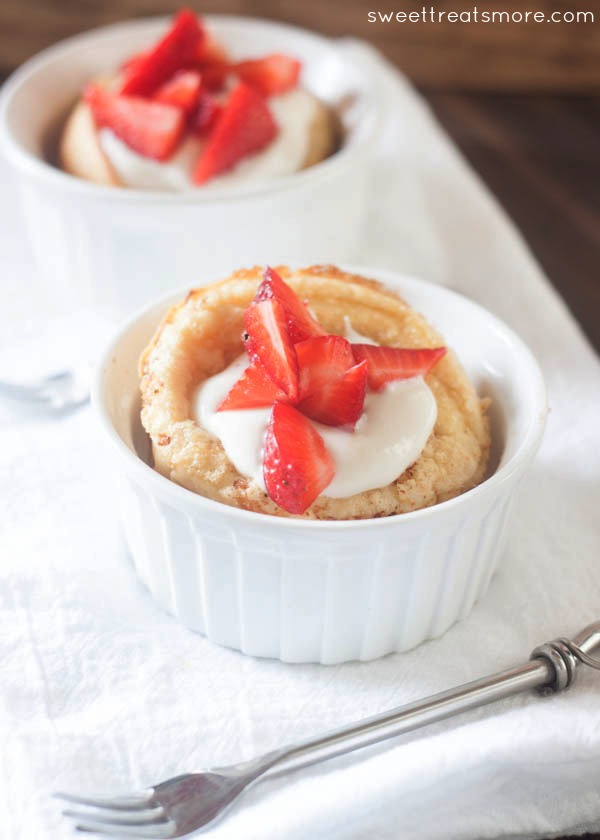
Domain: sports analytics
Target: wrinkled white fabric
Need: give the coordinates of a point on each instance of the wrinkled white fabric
(100, 690)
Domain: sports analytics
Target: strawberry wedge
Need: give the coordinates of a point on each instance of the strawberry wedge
(268, 341)
(271, 75)
(151, 129)
(332, 386)
(182, 91)
(301, 323)
(245, 126)
(206, 114)
(296, 466)
(175, 50)
(254, 389)
(386, 364)
(340, 402)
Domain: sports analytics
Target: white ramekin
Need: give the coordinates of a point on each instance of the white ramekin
(306, 591)
(115, 249)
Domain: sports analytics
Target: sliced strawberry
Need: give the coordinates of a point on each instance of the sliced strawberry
(183, 91)
(133, 61)
(320, 360)
(206, 114)
(209, 51)
(332, 386)
(254, 389)
(301, 323)
(389, 363)
(341, 401)
(149, 128)
(214, 76)
(296, 466)
(246, 126)
(172, 52)
(269, 342)
(270, 75)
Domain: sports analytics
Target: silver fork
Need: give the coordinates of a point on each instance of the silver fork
(192, 801)
(59, 391)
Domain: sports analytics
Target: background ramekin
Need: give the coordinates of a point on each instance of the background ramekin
(305, 591)
(115, 249)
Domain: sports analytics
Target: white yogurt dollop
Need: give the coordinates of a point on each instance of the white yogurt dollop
(294, 113)
(389, 436)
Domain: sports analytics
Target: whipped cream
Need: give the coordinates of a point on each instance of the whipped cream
(294, 113)
(389, 436)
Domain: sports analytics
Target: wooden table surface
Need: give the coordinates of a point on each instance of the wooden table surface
(540, 155)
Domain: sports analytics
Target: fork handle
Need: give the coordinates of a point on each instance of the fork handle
(552, 667)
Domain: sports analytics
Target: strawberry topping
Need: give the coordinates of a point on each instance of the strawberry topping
(386, 364)
(214, 76)
(132, 62)
(207, 112)
(149, 128)
(245, 126)
(332, 386)
(269, 341)
(182, 91)
(210, 52)
(254, 389)
(320, 377)
(297, 466)
(273, 74)
(182, 70)
(173, 51)
(301, 323)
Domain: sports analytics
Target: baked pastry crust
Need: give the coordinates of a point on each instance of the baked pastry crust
(203, 334)
(80, 152)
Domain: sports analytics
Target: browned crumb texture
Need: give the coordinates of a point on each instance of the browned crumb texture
(203, 334)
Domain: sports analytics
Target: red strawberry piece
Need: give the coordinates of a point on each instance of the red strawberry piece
(245, 126)
(340, 402)
(213, 61)
(301, 323)
(130, 63)
(296, 466)
(254, 389)
(171, 53)
(269, 341)
(183, 90)
(214, 76)
(209, 51)
(389, 363)
(321, 359)
(332, 386)
(270, 75)
(206, 114)
(149, 128)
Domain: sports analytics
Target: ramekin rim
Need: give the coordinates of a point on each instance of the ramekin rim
(163, 486)
(36, 166)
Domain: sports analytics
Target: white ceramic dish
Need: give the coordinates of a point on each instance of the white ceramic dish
(306, 591)
(117, 248)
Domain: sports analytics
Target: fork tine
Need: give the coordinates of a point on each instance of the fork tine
(150, 817)
(160, 831)
(137, 802)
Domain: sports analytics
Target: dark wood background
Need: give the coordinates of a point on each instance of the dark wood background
(515, 57)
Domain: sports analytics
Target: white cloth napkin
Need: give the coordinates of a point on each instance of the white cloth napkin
(100, 690)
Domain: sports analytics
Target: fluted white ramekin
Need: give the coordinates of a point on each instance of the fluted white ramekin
(306, 591)
(115, 249)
